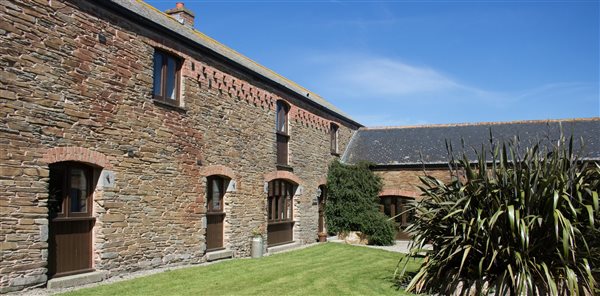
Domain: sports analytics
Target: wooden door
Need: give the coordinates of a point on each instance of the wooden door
(321, 200)
(70, 219)
(280, 228)
(215, 215)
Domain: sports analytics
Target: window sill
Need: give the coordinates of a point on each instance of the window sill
(282, 134)
(277, 222)
(284, 167)
(80, 218)
(169, 105)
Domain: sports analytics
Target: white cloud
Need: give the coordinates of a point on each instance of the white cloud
(360, 76)
(387, 77)
(380, 91)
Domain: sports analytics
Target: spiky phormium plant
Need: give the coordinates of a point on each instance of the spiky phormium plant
(525, 222)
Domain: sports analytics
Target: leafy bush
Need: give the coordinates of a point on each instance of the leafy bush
(352, 202)
(518, 225)
(379, 229)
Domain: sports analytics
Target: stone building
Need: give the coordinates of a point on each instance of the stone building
(400, 155)
(129, 140)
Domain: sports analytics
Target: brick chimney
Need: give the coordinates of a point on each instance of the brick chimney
(182, 14)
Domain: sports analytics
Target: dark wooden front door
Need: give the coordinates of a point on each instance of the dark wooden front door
(215, 215)
(280, 229)
(321, 200)
(396, 206)
(70, 219)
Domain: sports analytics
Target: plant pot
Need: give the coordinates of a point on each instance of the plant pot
(354, 238)
(257, 247)
(322, 237)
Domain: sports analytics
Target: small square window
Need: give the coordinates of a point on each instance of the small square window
(166, 77)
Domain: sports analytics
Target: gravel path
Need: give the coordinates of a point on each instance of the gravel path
(399, 246)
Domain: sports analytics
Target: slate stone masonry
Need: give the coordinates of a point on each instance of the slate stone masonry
(76, 84)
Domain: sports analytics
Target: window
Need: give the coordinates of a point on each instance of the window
(281, 130)
(395, 206)
(215, 192)
(280, 200)
(70, 190)
(166, 77)
(333, 131)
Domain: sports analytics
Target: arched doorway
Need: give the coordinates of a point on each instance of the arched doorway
(280, 228)
(397, 206)
(321, 201)
(70, 218)
(216, 187)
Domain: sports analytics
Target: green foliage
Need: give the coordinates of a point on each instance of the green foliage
(518, 225)
(352, 202)
(379, 229)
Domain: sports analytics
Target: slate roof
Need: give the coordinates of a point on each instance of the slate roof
(145, 13)
(403, 146)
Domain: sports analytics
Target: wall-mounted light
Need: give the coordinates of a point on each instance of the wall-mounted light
(316, 198)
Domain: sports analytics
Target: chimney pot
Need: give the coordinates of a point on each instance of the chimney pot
(182, 14)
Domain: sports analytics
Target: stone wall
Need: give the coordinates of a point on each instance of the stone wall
(405, 181)
(63, 88)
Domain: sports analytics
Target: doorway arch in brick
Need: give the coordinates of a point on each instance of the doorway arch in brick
(76, 154)
(285, 175)
(74, 173)
(218, 181)
(219, 170)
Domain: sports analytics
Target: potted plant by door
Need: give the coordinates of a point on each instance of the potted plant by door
(322, 237)
(257, 242)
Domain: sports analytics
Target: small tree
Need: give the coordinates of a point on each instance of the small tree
(352, 203)
(518, 225)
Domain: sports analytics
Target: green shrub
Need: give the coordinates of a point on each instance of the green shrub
(525, 223)
(353, 202)
(379, 229)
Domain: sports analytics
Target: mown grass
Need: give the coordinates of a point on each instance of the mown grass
(326, 269)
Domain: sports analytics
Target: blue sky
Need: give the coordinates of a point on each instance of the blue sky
(423, 62)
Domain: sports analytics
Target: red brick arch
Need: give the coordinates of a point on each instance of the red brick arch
(283, 175)
(220, 170)
(79, 154)
(322, 181)
(399, 192)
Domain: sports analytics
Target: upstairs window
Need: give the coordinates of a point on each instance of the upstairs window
(281, 130)
(333, 131)
(282, 117)
(166, 77)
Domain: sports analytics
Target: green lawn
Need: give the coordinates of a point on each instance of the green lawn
(325, 269)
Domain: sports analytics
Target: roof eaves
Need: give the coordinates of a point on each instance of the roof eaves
(483, 123)
(159, 18)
